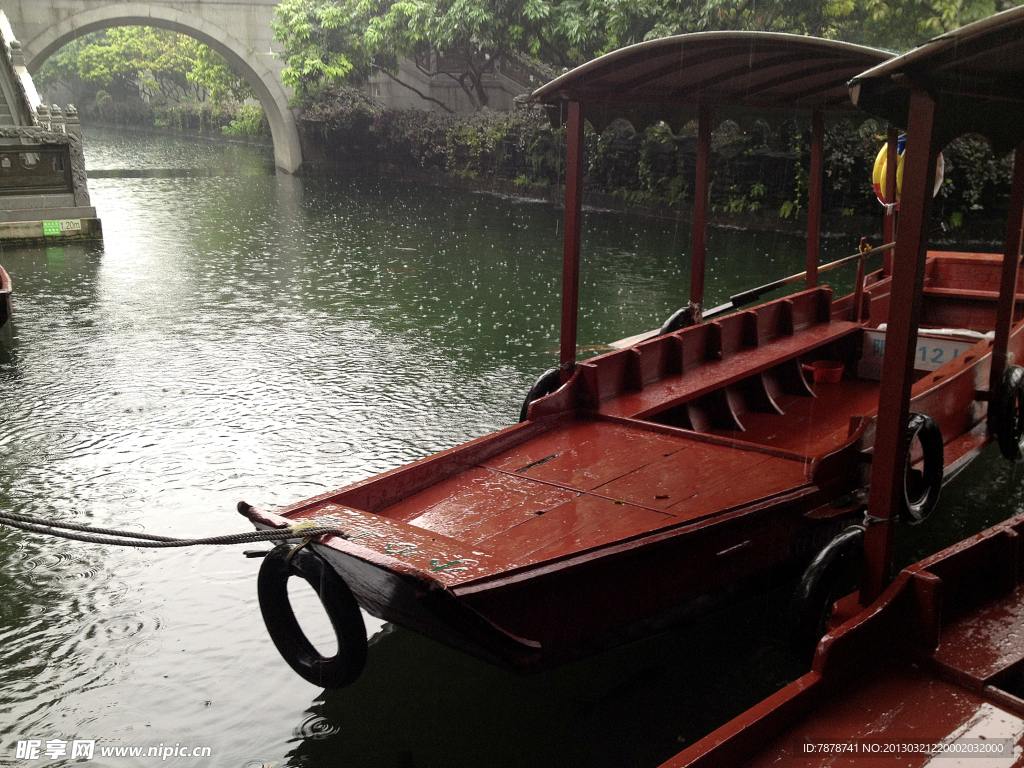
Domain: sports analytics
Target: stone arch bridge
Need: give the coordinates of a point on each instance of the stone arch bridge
(239, 30)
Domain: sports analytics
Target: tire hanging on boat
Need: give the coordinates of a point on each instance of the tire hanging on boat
(545, 384)
(341, 607)
(834, 573)
(1006, 414)
(681, 318)
(921, 487)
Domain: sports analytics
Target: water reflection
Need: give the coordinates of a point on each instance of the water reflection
(258, 336)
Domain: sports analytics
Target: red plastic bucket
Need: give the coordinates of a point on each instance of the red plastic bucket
(826, 371)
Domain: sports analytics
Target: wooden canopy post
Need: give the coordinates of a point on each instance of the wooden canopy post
(701, 185)
(571, 237)
(814, 196)
(891, 445)
(889, 223)
(1008, 278)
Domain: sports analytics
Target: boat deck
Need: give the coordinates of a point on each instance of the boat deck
(939, 658)
(590, 483)
(579, 485)
(888, 719)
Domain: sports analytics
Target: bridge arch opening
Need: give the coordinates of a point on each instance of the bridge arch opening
(254, 66)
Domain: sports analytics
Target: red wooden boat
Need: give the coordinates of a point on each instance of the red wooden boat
(663, 479)
(934, 668)
(5, 297)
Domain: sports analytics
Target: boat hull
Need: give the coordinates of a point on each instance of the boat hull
(660, 482)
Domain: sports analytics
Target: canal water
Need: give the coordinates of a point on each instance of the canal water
(243, 334)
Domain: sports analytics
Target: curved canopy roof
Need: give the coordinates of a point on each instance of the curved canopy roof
(664, 79)
(975, 74)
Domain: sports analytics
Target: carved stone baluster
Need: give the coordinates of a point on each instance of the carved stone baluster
(57, 119)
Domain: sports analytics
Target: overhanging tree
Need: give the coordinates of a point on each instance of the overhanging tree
(343, 41)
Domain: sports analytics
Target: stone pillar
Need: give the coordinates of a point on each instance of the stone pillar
(17, 55)
(57, 119)
(73, 129)
(71, 123)
(43, 117)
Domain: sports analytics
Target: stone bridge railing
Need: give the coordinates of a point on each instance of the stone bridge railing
(42, 159)
(46, 158)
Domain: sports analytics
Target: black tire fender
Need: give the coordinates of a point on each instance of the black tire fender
(341, 607)
(682, 318)
(1006, 414)
(921, 487)
(546, 383)
(834, 569)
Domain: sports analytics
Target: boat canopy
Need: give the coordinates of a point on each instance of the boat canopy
(974, 74)
(664, 79)
(675, 79)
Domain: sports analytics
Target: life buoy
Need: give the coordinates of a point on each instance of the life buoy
(545, 384)
(342, 609)
(921, 487)
(834, 572)
(1006, 414)
(881, 166)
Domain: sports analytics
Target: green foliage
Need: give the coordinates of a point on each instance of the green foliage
(331, 42)
(251, 123)
(62, 67)
(323, 42)
(159, 65)
(758, 171)
(211, 72)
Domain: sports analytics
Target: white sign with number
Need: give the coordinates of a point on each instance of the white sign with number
(932, 353)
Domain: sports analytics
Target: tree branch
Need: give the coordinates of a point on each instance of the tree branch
(462, 83)
(415, 90)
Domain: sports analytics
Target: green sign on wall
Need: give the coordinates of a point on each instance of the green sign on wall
(51, 228)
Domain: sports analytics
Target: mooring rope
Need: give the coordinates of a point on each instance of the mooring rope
(86, 533)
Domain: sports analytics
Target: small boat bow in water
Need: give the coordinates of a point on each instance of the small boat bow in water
(5, 297)
(657, 481)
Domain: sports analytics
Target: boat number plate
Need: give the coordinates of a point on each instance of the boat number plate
(932, 353)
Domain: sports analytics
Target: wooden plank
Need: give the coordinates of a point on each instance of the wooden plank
(581, 523)
(683, 475)
(477, 503)
(770, 477)
(383, 490)
(586, 454)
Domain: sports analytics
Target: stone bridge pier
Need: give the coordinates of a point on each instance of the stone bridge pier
(238, 30)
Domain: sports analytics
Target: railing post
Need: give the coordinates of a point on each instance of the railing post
(891, 445)
(1008, 277)
(814, 196)
(889, 223)
(702, 182)
(571, 237)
